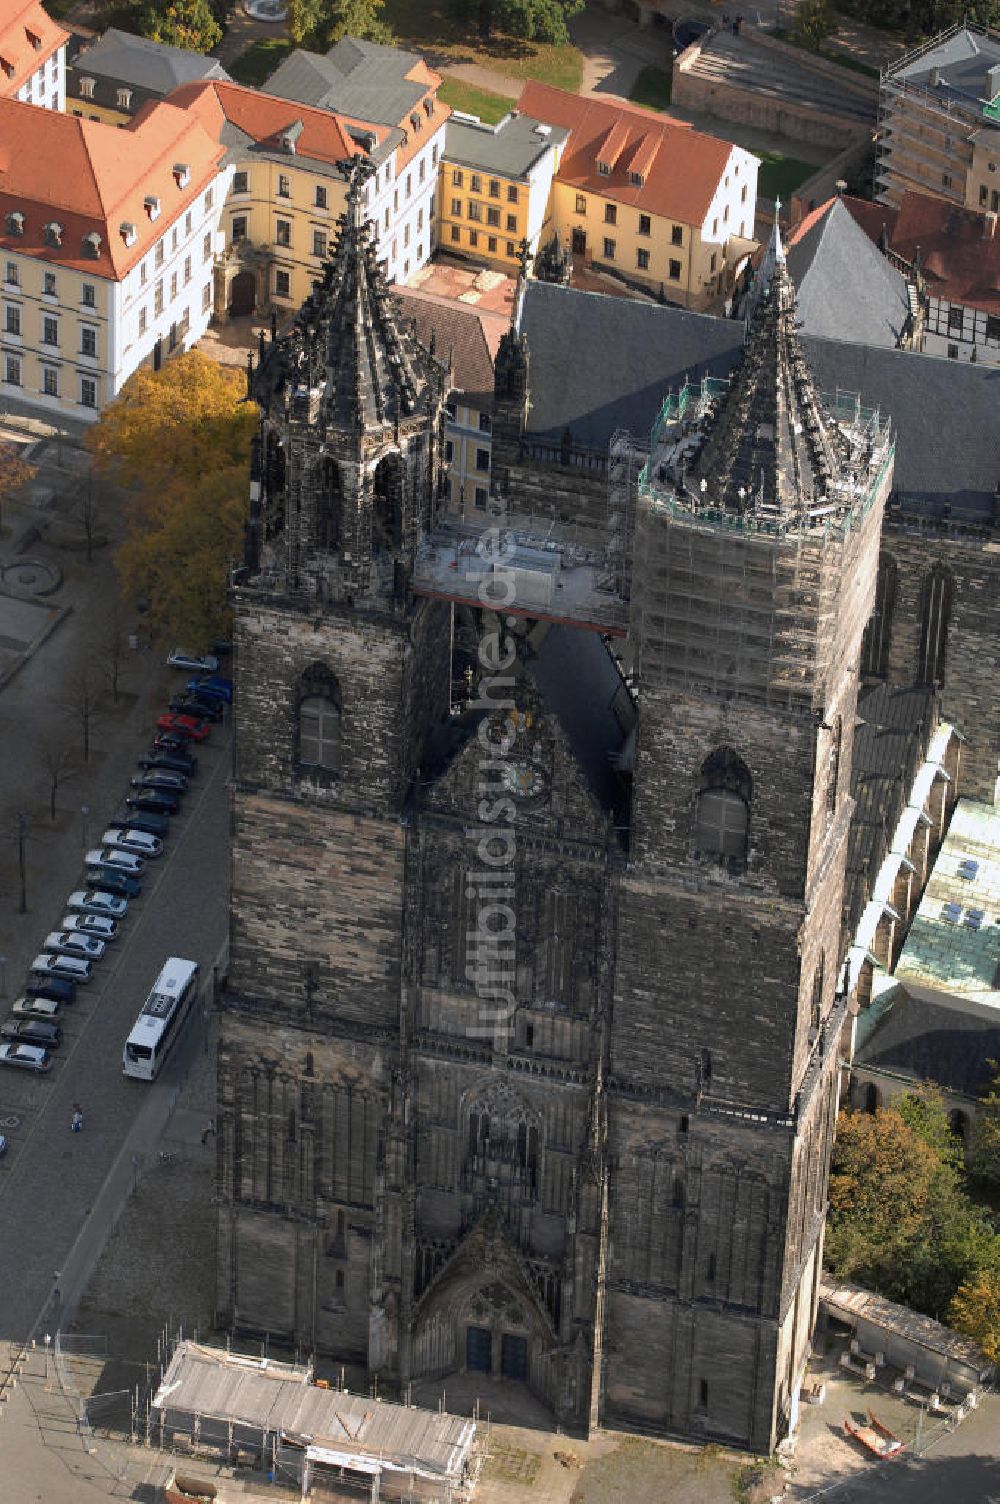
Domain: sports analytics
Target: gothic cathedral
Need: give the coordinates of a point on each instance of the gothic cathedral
(602, 768)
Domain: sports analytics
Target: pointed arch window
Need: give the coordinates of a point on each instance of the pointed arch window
(320, 714)
(938, 597)
(387, 505)
(833, 765)
(329, 501)
(722, 817)
(878, 633)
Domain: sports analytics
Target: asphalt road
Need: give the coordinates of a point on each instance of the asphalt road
(50, 1178)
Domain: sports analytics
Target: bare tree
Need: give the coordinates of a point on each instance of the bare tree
(88, 510)
(57, 762)
(110, 644)
(83, 702)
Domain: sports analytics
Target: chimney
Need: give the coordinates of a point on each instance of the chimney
(934, 78)
(989, 225)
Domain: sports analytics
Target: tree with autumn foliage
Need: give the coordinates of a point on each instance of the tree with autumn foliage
(975, 1310)
(14, 472)
(179, 440)
(182, 23)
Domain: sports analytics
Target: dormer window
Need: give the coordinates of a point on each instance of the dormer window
(415, 121)
(636, 179)
(124, 99)
(428, 107)
(289, 137)
(92, 246)
(53, 233)
(129, 232)
(152, 205)
(604, 168)
(15, 222)
(34, 39)
(182, 174)
(86, 88)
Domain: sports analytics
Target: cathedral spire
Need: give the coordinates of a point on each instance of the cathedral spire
(770, 443)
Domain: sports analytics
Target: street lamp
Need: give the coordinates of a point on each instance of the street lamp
(22, 825)
(85, 813)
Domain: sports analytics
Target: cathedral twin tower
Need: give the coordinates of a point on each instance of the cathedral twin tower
(614, 1193)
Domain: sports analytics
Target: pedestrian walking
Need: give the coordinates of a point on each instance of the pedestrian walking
(76, 1123)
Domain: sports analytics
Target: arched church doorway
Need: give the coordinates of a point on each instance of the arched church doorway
(242, 295)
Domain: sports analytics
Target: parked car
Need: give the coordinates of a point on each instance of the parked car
(114, 880)
(33, 1031)
(111, 856)
(29, 1057)
(202, 709)
(173, 743)
(90, 924)
(183, 725)
(204, 662)
(127, 838)
(143, 819)
(72, 968)
(178, 759)
(36, 1007)
(96, 901)
(154, 803)
(56, 989)
(69, 943)
(214, 686)
(3, 1144)
(170, 779)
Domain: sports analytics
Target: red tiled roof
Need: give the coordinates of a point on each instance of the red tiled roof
(90, 178)
(27, 39)
(264, 118)
(871, 217)
(680, 167)
(959, 249)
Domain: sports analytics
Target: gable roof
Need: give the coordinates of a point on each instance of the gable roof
(362, 79)
(153, 66)
(679, 166)
(846, 289)
(600, 363)
(96, 178)
(470, 335)
(241, 118)
(27, 37)
(959, 249)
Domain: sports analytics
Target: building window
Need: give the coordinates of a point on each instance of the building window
(456, 233)
(491, 245)
(493, 218)
(475, 212)
(282, 284)
(833, 766)
(473, 238)
(283, 232)
(581, 204)
(11, 274)
(409, 184)
(284, 186)
(86, 88)
(485, 423)
(88, 295)
(674, 271)
(319, 242)
(456, 177)
(49, 284)
(645, 224)
(12, 370)
(88, 341)
(984, 194)
(240, 182)
(609, 250)
(206, 248)
(239, 228)
(482, 496)
(88, 392)
(50, 381)
(642, 260)
(494, 188)
(449, 451)
(714, 262)
(158, 254)
(158, 298)
(482, 459)
(173, 286)
(878, 633)
(992, 329)
(124, 99)
(610, 214)
(511, 193)
(142, 320)
(187, 270)
(188, 222)
(50, 331)
(511, 224)
(320, 199)
(722, 814)
(956, 320)
(206, 298)
(511, 250)
(952, 352)
(475, 183)
(938, 595)
(456, 208)
(12, 319)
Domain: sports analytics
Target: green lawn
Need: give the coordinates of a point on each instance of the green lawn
(780, 176)
(432, 28)
(488, 106)
(260, 60)
(652, 89)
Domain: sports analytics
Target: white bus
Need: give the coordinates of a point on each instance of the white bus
(160, 1020)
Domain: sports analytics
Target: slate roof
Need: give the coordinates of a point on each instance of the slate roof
(962, 61)
(469, 335)
(143, 64)
(600, 363)
(846, 288)
(932, 1042)
(510, 148)
(363, 79)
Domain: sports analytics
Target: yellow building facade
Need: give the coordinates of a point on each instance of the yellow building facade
(494, 187)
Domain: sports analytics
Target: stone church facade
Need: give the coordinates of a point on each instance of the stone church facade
(528, 1063)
